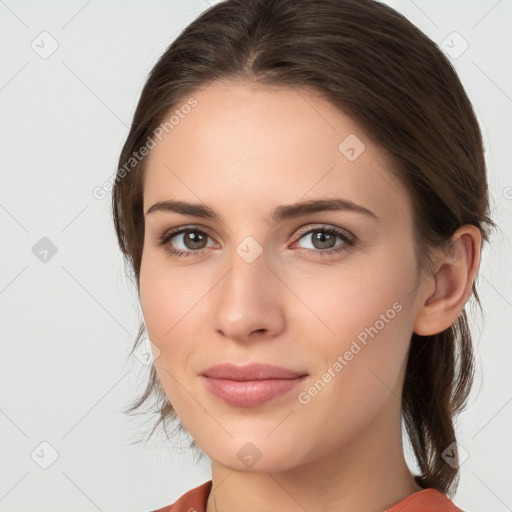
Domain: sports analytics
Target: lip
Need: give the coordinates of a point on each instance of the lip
(250, 385)
(253, 371)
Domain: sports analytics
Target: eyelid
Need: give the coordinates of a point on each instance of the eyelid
(320, 227)
(170, 233)
(298, 233)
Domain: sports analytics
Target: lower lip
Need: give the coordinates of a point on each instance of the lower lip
(250, 393)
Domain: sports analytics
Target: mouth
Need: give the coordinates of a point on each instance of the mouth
(251, 385)
(250, 393)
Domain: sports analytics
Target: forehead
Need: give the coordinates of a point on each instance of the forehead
(243, 143)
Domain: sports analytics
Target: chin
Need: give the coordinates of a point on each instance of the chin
(260, 454)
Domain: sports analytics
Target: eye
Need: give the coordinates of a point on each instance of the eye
(192, 241)
(324, 238)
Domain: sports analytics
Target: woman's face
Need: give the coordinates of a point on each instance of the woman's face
(329, 293)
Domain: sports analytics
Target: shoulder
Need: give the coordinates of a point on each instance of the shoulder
(193, 500)
(427, 500)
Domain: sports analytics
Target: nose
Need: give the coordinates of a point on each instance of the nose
(249, 302)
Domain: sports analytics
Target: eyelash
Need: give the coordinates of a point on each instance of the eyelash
(349, 241)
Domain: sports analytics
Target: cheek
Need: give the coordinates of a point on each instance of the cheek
(174, 309)
(164, 295)
(362, 313)
(350, 299)
(361, 345)
(166, 311)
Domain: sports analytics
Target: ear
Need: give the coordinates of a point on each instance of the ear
(452, 280)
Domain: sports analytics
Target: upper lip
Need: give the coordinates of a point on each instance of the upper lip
(253, 371)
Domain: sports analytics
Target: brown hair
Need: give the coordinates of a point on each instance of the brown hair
(374, 65)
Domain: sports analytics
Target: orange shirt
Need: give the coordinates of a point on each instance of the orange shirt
(427, 500)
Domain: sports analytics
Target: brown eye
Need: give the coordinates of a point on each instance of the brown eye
(194, 240)
(184, 242)
(323, 240)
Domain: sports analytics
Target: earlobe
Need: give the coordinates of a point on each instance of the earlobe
(453, 278)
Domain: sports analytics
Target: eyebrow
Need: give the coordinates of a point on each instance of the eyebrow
(282, 212)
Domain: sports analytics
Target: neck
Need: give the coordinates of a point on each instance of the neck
(367, 474)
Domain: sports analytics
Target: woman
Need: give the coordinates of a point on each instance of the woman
(303, 200)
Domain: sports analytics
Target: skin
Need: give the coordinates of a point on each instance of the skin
(244, 150)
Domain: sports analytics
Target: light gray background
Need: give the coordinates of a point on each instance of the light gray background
(67, 324)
